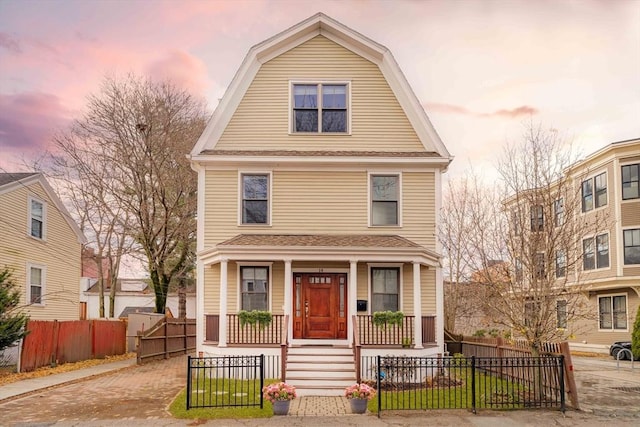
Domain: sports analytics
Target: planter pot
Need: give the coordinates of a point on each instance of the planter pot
(281, 407)
(358, 406)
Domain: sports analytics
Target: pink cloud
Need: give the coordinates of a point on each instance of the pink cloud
(513, 113)
(182, 69)
(10, 43)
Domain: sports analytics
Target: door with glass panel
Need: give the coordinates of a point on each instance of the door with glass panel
(320, 306)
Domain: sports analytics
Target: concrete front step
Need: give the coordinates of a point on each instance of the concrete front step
(320, 370)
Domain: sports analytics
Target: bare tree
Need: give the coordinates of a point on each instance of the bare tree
(125, 162)
(526, 240)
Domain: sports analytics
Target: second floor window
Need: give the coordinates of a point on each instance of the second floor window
(385, 191)
(320, 108)
(561, 263)
(631, 240)
(595, 252)
(537, 218)
(385, 292)
(558, 212)
(594, 199)
(36, 219)
(255, 199)
(630, 181)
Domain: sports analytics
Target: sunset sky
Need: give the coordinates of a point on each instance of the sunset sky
(480, 68)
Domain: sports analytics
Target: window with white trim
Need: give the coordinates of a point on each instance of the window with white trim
(630, 181)
(254, 288)
(36, 281)
(385, 198)
(631, 241)
(595, 252)
(612, 312)
(255, 198)
(37, 218)
(326, 113)
(385, 289)
(537, 218)
(561, 263)
(594, 192)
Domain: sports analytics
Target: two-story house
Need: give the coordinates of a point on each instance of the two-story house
(41, 246)
(319, 183)
(610, 266)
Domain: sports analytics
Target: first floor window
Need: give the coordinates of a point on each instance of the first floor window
(255, 288)
(561, 314)
(255, 199)
(385, 293)
(630, 180)
(36, 284)
(612, 311)
(631, 246)
(385, 192)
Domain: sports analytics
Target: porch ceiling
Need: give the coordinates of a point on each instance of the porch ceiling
(320, 247)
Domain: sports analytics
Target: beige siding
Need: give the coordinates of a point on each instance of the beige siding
(59, 254)
(261, 121)
(630, 213)
(212, 289)
(428, 278)
(631, 271)
(320, 202)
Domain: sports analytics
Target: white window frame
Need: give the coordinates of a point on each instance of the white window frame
(30, 200)
(239, 266)
(319, 83)
(622, 246)
(626, 310)
(558, 214)
(592, 178)
(564, 266)
(633, 199)
(371, 174)
(43, 277)
(371, 266)
(594, 239)
(269, 197)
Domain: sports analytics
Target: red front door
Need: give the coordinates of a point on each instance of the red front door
(320, 304)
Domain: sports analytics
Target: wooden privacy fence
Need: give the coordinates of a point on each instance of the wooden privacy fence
(52, 342)
(167, 338)
(499, 347)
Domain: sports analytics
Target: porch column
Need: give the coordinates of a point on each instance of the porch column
(222, 333)
(417, 305)
(200, 307)
(352, 295)
(288, 295)
(440, 309)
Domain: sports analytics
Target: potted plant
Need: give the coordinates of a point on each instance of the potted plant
(385, 318)
(359, 395)
(280, 395)
(258, 318)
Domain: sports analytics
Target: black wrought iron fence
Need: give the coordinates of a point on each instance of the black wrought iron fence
(466, 382)
(225, 381)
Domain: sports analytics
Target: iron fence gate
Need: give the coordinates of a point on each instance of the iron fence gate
(225, 381)
(468, 382)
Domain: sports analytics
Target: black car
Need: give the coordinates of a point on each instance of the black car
(617, 347)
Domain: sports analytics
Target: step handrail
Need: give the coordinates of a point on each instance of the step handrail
(356, 347)
(284, 348)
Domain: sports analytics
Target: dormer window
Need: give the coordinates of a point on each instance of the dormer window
(320, 108)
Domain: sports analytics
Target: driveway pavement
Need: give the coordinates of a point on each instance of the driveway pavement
(139, 395)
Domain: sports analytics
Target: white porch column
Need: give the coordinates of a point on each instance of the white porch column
(439, 309)
(288, 295)
(352, 295)
(222, 333)
(199, 306)
(417, 305)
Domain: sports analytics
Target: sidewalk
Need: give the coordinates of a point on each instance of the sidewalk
(32, 385)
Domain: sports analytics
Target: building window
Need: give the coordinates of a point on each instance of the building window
(561, 263)
(385, 192)
(325, 114)
(558, 212)
(540, 266)
(612, 311)
(37, 216)
(35, 291)
(595, 252)
(537, 218)
(600, 184)
(385, 284)
(255, 199)
(531, 308)
(561, 314)
(631, 246)
(630, 179)
(254, 288)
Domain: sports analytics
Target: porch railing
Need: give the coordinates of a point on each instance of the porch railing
(247, 334)
(394, 335)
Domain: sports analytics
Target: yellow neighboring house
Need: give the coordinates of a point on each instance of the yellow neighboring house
(319, 183)
(41, 246)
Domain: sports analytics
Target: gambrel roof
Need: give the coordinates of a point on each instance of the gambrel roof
(320, 24)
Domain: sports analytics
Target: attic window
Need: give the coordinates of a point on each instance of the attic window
(320, 114)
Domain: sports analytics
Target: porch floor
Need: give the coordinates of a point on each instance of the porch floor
(321, 406)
